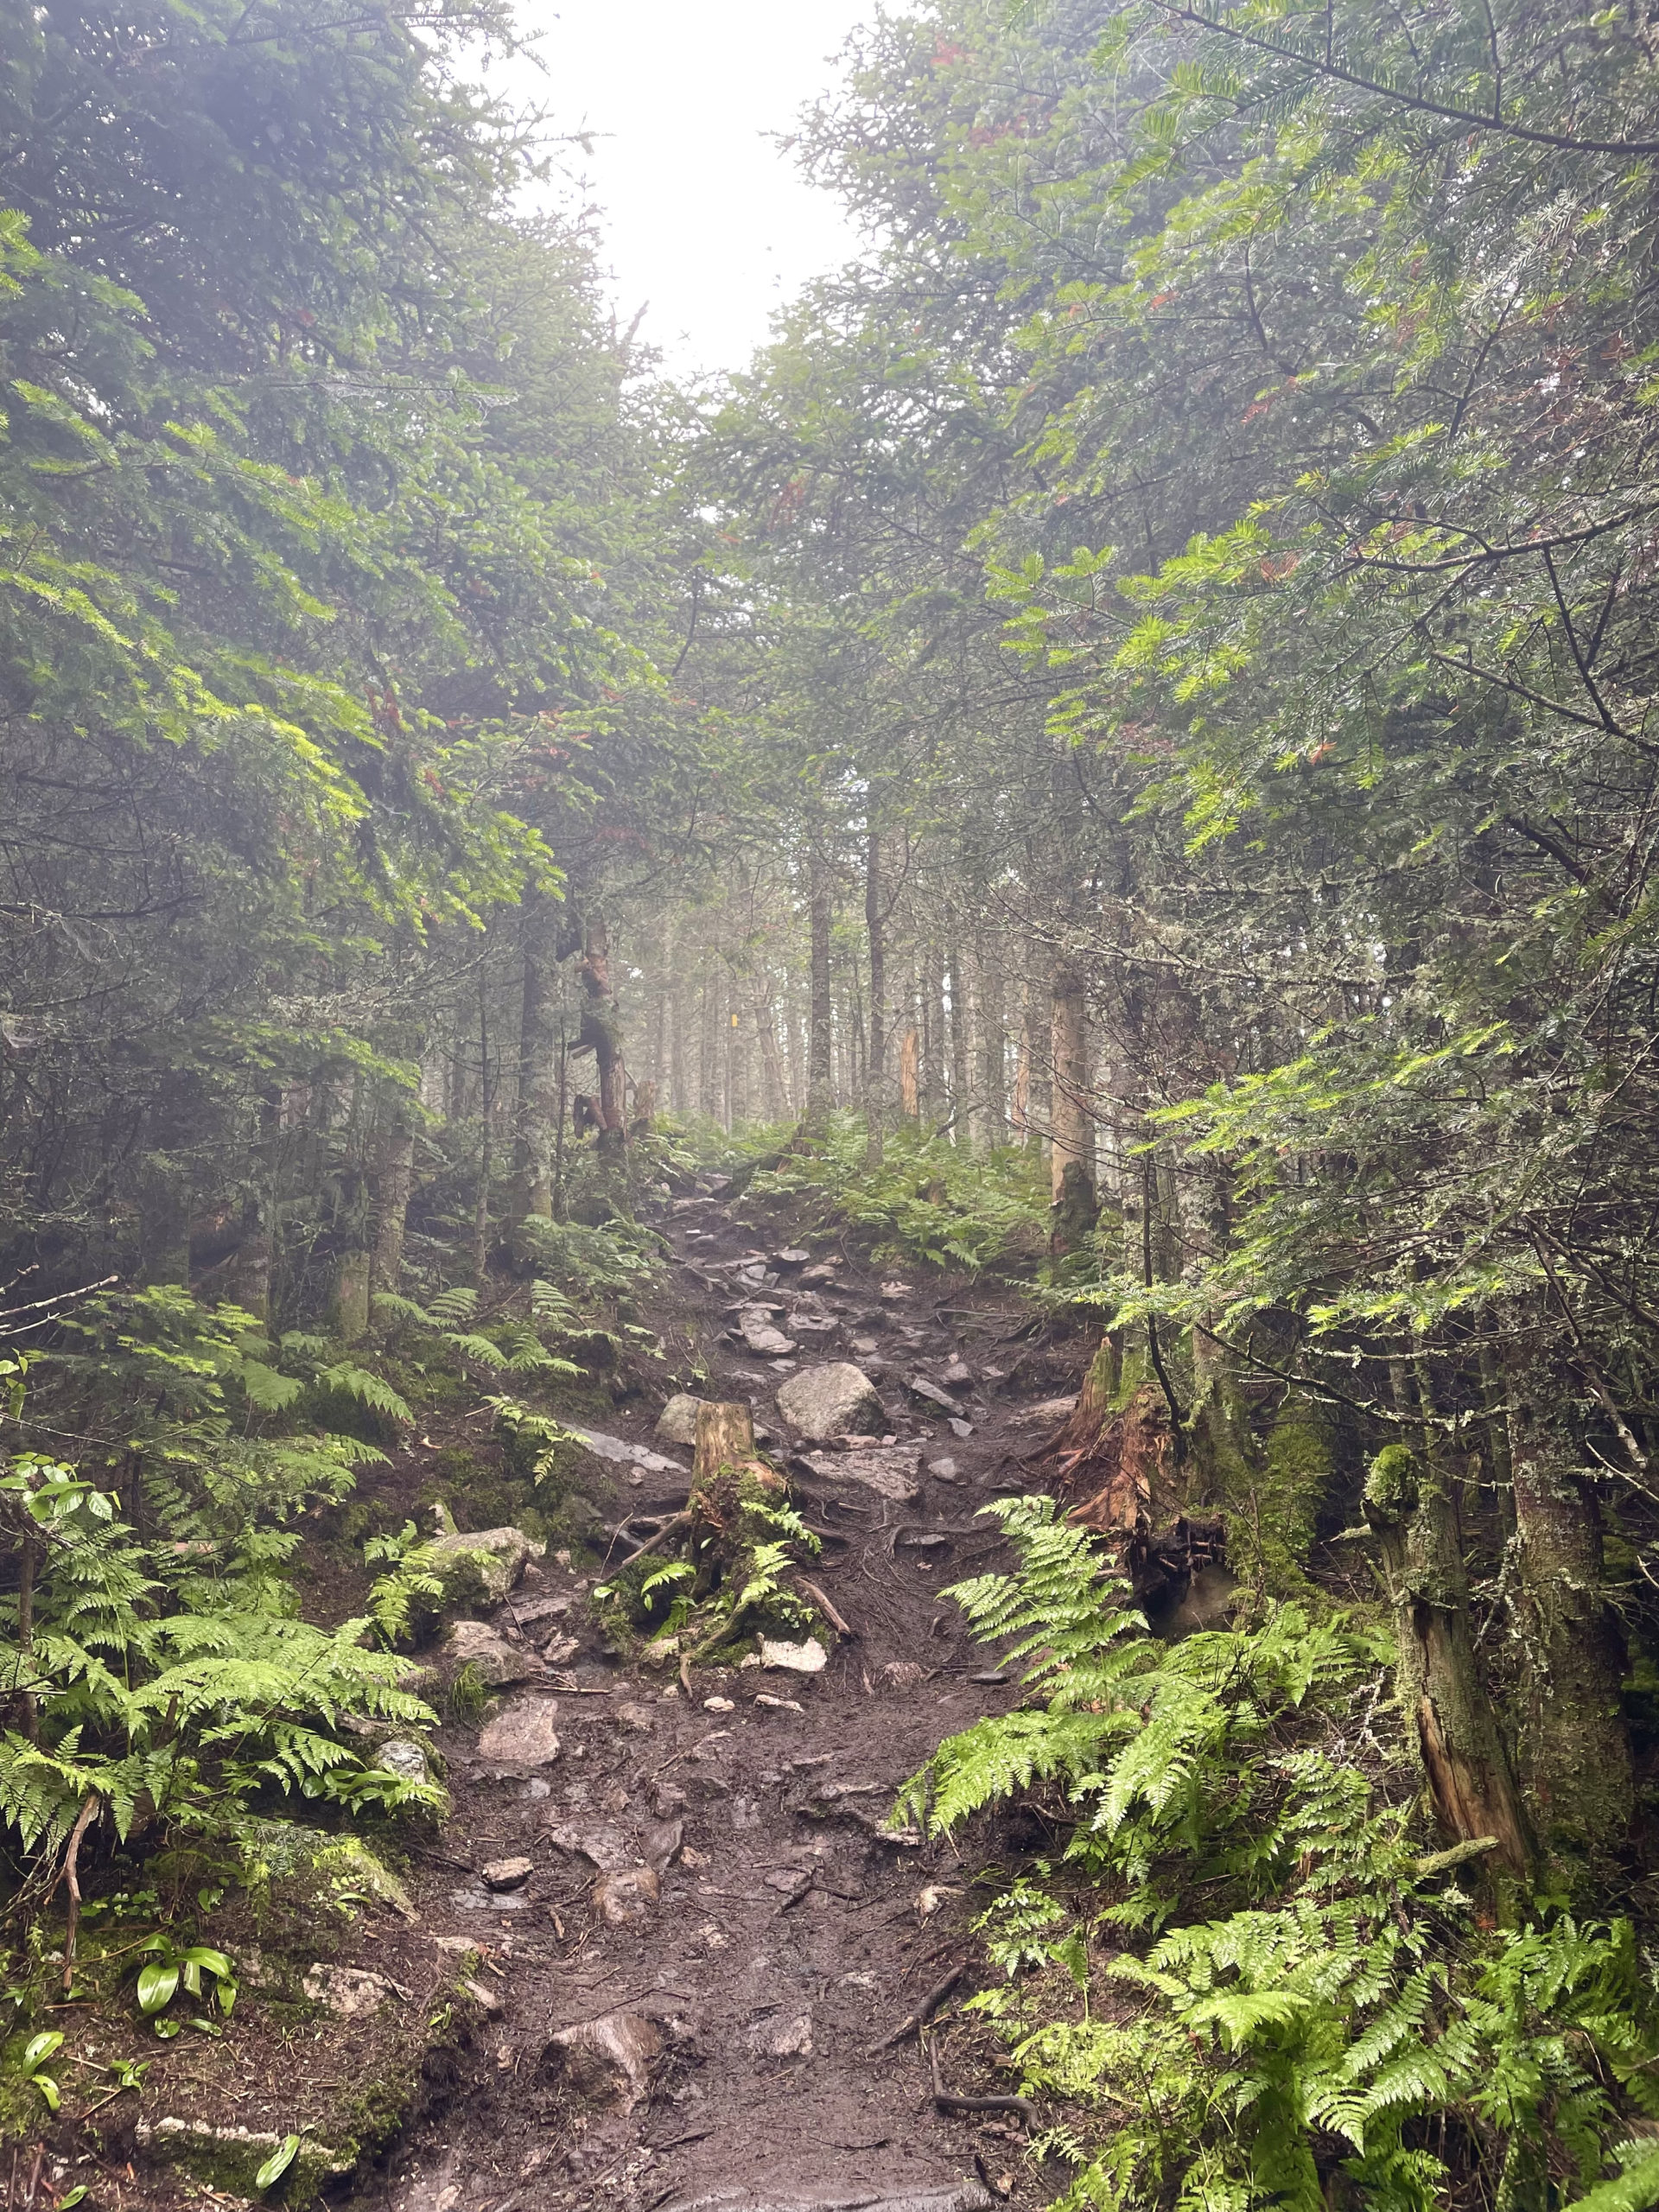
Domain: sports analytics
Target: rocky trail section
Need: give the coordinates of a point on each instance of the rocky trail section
(701, 1957)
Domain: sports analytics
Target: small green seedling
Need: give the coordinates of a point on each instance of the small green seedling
(191, 1968)
(39, 2049)
(278, 2164)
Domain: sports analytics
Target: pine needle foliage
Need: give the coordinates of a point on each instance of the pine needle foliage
(1266, 1993)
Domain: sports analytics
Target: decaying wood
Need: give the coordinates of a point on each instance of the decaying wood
(913, 2023)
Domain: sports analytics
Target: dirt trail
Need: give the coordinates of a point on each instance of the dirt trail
(788, 1939)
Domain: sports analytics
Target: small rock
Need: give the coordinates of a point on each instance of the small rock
(782, 2039)
(893, 1292)
(807, 1658)
(521, 1735)
(348, 1992)
(929, 1900)
(606, 2061)
(636, 1716)
(831, 1401)
(902, 1675)
(958, 1374)
(528, 1612)
(867, 1347)
(622, 1900)
(943, 1470)
(454, 1944)
(823, 1273)
(603, 1846)
(484, 1999)
(558, 1648)
(661, 1843)
(762, 1339)
(779, 1704)
(812, 1325)
(486, 1651)
(718, 1704)
(404, 1757)
(920, 1386)
(506, 1874)
(667, 1799)
(677, 1421)
(961, 1428)
(791, 1256)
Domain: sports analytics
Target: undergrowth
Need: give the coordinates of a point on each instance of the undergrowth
(1241, 1973)
(926, 1199)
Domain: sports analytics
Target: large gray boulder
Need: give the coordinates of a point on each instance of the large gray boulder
(838, 1400)
(677, 1421)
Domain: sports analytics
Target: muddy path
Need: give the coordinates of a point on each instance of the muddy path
(697, 1988)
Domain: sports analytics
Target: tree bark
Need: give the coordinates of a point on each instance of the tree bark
(394, 1176)
(601, 1031)
(532, 1189)
(1575, 1754)
(820, 1085)
(1073, 1125)
(1409, 1504)
(876, 1058)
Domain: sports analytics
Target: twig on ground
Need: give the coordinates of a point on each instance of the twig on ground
(947, 2100)
(913, 2023)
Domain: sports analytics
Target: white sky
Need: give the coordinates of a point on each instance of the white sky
(703, 218)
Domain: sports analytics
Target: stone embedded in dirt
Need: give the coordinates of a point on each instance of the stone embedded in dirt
(943, 1470)
(958, 1428)
(832, 1401)
(348, 1992)
(486, 1651)
(527, 1613)
(920, 1386)
(791, 1256)
(623, 1900)
(958, 1374)
(718, 1704)
(867, 1345)
(811, 1324)
(484, 1998)
(762, 1339)
(404, 1757)
(606, 2061)
(487, 1560)
(823, 1273)
(635, 1716)
(808, 1657)
(902, 1675)
(667, 1799)
(890, 1469)
(598, 1841)
(893, 1292)
(1051, 1409)
(521, 1735)
(781, 2037)
(779, 1704)
(661, 1843)
(618, 1448)
(677, 1421)
(506, 1874)
(559, 1647)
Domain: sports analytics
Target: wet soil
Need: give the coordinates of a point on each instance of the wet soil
(788, 1937)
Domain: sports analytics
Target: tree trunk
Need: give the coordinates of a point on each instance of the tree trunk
(533, 1190)
(601, 1031)
(964, 1116)
(394, 1175)
(876, 1058)
(1409, 1502)
(1073, 1125)
(820, 1093)
(1575, 1756)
